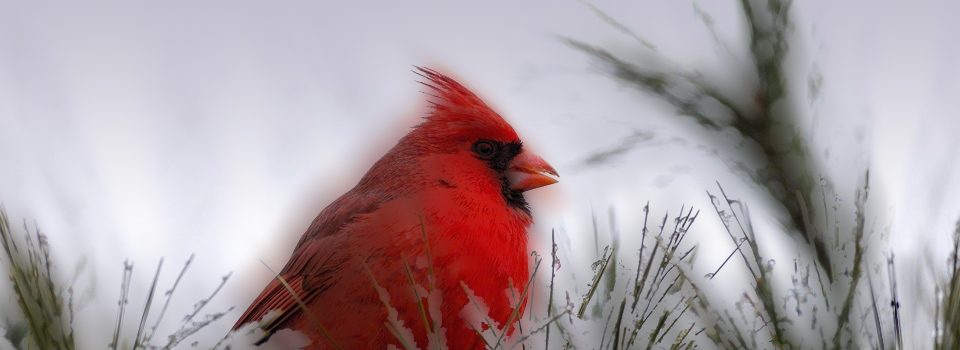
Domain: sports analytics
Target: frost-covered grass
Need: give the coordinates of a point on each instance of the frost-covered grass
(46, 307)
(842, 291)
(661, 304)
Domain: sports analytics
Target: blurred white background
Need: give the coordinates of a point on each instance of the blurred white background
(139, 131)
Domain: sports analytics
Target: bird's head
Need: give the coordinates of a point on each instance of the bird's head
(464, 143)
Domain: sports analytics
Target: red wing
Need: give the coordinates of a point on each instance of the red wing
(316, 262)
(274, 297)
(322, 269)
(310, 262)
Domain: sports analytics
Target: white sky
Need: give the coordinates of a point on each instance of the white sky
(158, 130)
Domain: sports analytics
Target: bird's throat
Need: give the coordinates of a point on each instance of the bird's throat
(514, 198)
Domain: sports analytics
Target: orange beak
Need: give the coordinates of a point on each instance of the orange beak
(528, 171)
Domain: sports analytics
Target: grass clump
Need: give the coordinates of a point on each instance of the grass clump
(47, 313)
(47, 308)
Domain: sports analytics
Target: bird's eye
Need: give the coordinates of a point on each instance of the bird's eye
(484, 149)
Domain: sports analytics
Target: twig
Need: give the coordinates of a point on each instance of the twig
(140, 341)
(124, 289)
(169, 295)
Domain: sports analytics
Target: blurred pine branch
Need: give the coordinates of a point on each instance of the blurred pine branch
(790, 174)
(791, 168)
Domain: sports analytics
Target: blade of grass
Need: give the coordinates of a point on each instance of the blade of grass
(146, 308)
(596, 280)
(432, 277)
(553, 275)
(426, 247)
(546, 326)
(486, 319)
(516, 308)
(423, 311)
(124, 289)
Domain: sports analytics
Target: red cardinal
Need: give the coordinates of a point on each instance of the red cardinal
(391, 261)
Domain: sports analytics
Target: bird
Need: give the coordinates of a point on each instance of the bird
(428, 250)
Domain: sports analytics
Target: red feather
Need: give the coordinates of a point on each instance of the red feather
(432, 191)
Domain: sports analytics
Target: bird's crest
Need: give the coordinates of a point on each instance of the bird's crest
(447, 90)
(455, 107)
